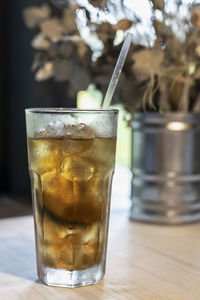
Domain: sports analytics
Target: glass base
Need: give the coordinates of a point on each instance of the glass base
(72, 279)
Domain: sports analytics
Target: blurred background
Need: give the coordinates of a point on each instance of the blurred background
(19, 90)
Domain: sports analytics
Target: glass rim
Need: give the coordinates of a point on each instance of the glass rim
(58, 110)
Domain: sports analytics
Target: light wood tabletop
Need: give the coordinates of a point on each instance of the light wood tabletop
(144, 262)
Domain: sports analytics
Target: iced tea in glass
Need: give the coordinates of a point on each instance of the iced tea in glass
(71, 163)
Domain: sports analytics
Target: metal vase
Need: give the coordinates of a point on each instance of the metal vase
(166, 168)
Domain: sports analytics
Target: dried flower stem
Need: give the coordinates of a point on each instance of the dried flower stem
(184, 100)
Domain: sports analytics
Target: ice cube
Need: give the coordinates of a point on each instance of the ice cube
(44, 155)
(62, 244)
(77, 168)
(59, 256)
(87, 205)
(53, 129)
(51, 229)
(69, 246)
(72, 238)
(73, 146)
(80, 131)
(91, 234)
(83, 243)
(103, 152)
(57, 195)
(70, 229)
(89, 246)
(52, 244)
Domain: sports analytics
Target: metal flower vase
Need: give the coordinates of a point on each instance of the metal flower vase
(166, 168)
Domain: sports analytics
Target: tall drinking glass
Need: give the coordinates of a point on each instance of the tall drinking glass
(71, 156)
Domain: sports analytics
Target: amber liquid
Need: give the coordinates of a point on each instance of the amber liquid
(71, 181)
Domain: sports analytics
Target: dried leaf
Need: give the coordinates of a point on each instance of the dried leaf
(39, 59)
(175, 54)
(52, 29)
(62, 69)
(105, 32)
(164, 96)
(123, 24)
(175, 92)
(44, 72)
(147, 62)
(54, 50)
(98, 3)
(197, 74)
(196, 108)
(158, 4)
(69, 20)
(197, 50)
(34, 15)
(184, 99)
(67, 49)
(166, 32)
(158, 27)
(195, 17)
(82, 48)
(40, 42)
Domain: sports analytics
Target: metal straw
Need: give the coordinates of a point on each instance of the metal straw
(117, 71)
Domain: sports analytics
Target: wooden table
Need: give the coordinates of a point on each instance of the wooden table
(144, 262)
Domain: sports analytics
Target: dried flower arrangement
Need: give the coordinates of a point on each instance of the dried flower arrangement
(163, 75)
